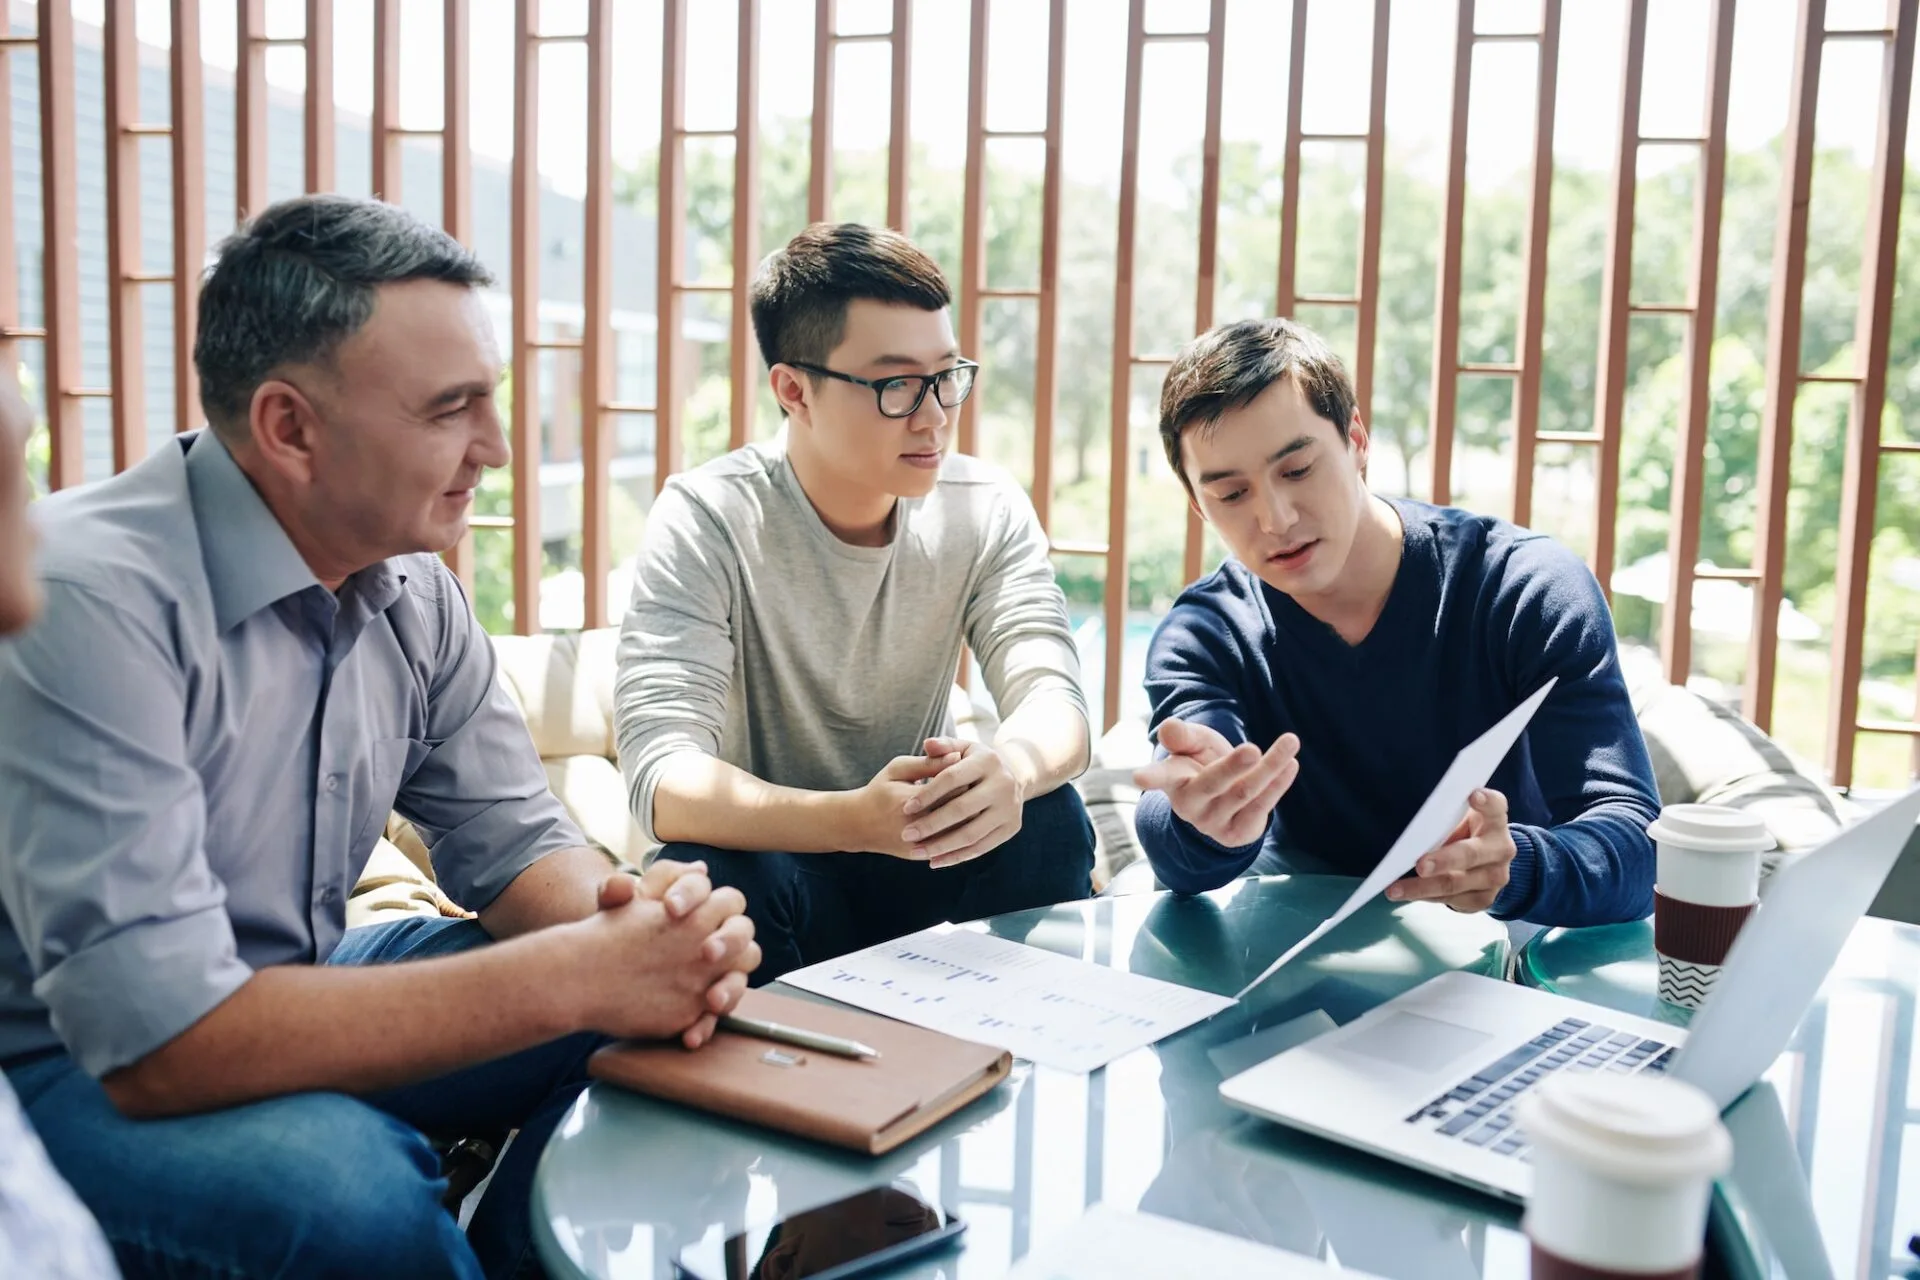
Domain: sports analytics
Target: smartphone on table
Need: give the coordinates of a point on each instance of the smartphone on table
(861, 1234)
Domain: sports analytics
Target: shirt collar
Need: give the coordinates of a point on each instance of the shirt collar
(250, 561)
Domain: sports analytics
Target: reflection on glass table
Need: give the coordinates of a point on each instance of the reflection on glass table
(629, 1183)
(1823, 1182)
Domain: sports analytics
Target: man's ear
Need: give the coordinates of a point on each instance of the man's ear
(790, 389)
(282, 425)
(1360, 441)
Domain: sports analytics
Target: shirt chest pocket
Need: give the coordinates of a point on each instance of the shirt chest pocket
(391, 763)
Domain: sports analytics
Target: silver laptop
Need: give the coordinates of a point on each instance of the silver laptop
(1431, 1077)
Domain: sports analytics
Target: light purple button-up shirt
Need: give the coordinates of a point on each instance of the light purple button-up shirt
(199, 745)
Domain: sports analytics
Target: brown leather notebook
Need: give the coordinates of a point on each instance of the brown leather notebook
(870, 1105)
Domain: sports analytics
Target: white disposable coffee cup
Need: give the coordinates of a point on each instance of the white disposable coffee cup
(1708, 854)
(1706, 882)
(1623, 1170)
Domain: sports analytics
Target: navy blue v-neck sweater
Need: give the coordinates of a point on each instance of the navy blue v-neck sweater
(1480, 614)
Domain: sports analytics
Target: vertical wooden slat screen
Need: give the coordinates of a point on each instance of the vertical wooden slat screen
(456, 133)
(1283, 302)
(1119, 431)
(384, 144)
(528, 551)
(250, 109)
(1872, 326)
(1047, 333)
(456, 197)
(973, 212)
(1365, 297)
(1616, 300)
(1683, 531)
(826, 39)
(187, 91)
(251, 101)
(743, 362)
(525, 278)
(1208, 269)
(1367, 328)
(1446, 310)
(672, 227)
(742, 355)
(1533, 302)
(899, 139)
(596, 333)
(974, 289)
(60, 264)
(1524, 370)
(1783, 359)
(319, 53)
(127, 273)
(1125, 358)
(820, 170)
(11, 330)
(125, 348)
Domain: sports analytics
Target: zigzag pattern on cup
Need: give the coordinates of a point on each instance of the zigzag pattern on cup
(1686, 984)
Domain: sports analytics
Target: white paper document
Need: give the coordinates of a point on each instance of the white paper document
(1048, 1008)
(1111, 1244)
(1433, 823)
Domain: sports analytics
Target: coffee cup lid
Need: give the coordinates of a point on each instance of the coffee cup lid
(1712, 828)
(1634, 1129)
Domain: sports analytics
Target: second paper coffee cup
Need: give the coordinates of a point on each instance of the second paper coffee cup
(1623, 1169)
(1705, 886)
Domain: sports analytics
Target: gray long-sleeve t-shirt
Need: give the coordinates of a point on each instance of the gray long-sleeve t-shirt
(757, 636)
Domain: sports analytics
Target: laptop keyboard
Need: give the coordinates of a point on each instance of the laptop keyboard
(1479, 1110)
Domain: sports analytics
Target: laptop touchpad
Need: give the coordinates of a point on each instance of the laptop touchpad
(1412, 1042)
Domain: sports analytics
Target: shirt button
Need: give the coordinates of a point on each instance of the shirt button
(333, 782)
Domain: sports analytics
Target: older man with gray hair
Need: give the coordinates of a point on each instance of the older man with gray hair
(249, 655)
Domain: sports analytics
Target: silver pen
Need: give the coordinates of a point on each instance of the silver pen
(798, 1036)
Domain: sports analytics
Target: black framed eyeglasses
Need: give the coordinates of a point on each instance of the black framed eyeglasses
(902, 395)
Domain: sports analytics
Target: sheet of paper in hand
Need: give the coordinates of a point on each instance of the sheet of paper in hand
(1434, 821)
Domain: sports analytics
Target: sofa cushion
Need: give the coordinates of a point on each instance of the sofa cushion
(595, 797)
(1704, 753)
(563, 685)
(391, 887)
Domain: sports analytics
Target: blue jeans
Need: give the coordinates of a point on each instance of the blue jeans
(313, 1184)
(815, 906)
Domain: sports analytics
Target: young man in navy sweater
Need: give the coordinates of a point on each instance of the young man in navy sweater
(1309, 694)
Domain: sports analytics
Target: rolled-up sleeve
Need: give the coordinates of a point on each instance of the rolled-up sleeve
(103, 869)
(477, 792)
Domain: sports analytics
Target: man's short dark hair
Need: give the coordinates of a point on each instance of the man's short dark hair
(1230, 365)
(291, 285)
(801, 292)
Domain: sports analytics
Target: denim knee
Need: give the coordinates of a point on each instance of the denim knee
(358, 1192)
(308, 1185)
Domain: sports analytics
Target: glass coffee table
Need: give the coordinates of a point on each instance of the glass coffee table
(627, 1182)
(1823, 1182)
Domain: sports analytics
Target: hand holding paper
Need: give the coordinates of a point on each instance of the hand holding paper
(1435, 818)
(1468, 870)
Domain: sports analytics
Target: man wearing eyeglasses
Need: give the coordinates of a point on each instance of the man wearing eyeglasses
(798, 614)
